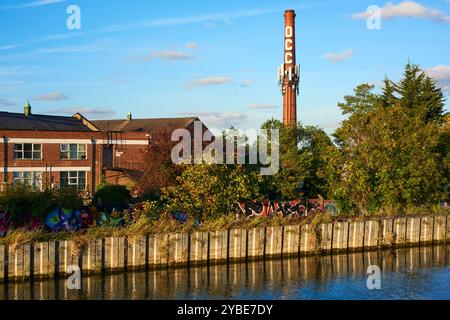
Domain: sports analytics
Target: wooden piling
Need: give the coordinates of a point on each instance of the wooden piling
(387, 238)
(399, 231)
(199, 248)
(326, 237)
(178, 249)
(291, 240)
(340, 236)
(237, 244)
(307, 239)
(218, 246)
(371, 228)
(274, 239)
(356, 235)
(2, 261)
(412, 230)
(426, 230)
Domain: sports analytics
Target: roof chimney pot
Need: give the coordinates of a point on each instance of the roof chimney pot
(129, 116)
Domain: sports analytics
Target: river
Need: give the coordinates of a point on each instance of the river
(413, 273)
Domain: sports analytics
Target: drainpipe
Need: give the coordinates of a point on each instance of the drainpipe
(93, 171)
(5, 161)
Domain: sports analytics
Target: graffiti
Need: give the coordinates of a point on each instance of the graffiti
(73, 220)
(297, 208)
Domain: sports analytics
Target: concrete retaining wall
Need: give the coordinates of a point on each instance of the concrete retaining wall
(56, 258)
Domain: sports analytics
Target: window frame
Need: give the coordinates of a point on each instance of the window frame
(36, 148)
(65, 151)
(34, 180)
(76, 176)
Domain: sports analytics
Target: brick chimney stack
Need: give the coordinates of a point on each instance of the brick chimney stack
(289, 71)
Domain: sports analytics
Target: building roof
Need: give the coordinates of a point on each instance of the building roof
(144, 125)
(19, 121)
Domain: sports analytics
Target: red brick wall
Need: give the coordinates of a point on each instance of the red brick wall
(132, 154)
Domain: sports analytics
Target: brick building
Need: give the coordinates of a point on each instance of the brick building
(54, 151)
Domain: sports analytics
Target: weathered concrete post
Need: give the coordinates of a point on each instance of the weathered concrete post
(274, 238)
(178, 249)
(371, 228)
(326, 237)
(307, 239)
(439, 228)
(400, 231)
(237, 244)
(412, 230)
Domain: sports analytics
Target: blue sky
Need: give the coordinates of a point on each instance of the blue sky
(216, 59)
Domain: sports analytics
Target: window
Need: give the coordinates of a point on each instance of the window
(73, 151)
(74, 179)
(32, 179)
(27, 151)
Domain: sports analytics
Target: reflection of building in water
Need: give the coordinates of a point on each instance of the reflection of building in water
(271, 279)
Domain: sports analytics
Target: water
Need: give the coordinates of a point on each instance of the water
(415, 273)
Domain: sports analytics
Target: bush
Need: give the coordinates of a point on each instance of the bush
(23, 203)
(112, 196)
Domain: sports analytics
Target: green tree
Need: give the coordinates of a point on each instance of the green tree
(391, 149)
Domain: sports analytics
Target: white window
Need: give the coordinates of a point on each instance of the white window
(32, 179)
(73, 179)
(28, 151)
(73, 152)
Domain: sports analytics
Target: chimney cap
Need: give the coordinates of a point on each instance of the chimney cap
(129, 116)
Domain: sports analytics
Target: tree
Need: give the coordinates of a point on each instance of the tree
(205, 190)
(391, 150)
(302, 156)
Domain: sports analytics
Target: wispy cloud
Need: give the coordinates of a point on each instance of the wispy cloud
(192, 45)
(406, 9)
(168, 55)
(262, 106)
(209, 81)
(5, 102)
(32, 4)
(224, 16)
(91, 113)
(247, 83)
(339, 57)
(220, 119)
(53, 96)
(206, 18)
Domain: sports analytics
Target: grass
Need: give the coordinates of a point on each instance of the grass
(145, 225)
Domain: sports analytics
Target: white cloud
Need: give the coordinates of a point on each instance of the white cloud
(32, 4)
(406, 9)
(262, 106)
(220, 119)
(440, 72)
(5, 102)
(209, 81)
(339, 57)
(53, 96)
(191, 45)
(90, 113)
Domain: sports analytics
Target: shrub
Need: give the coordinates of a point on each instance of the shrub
(112, 196)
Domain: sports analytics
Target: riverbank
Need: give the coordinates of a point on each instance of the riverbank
(154, 251)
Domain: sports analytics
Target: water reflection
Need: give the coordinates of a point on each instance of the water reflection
(406, 274)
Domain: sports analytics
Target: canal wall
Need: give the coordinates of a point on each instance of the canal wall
(159, 251)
